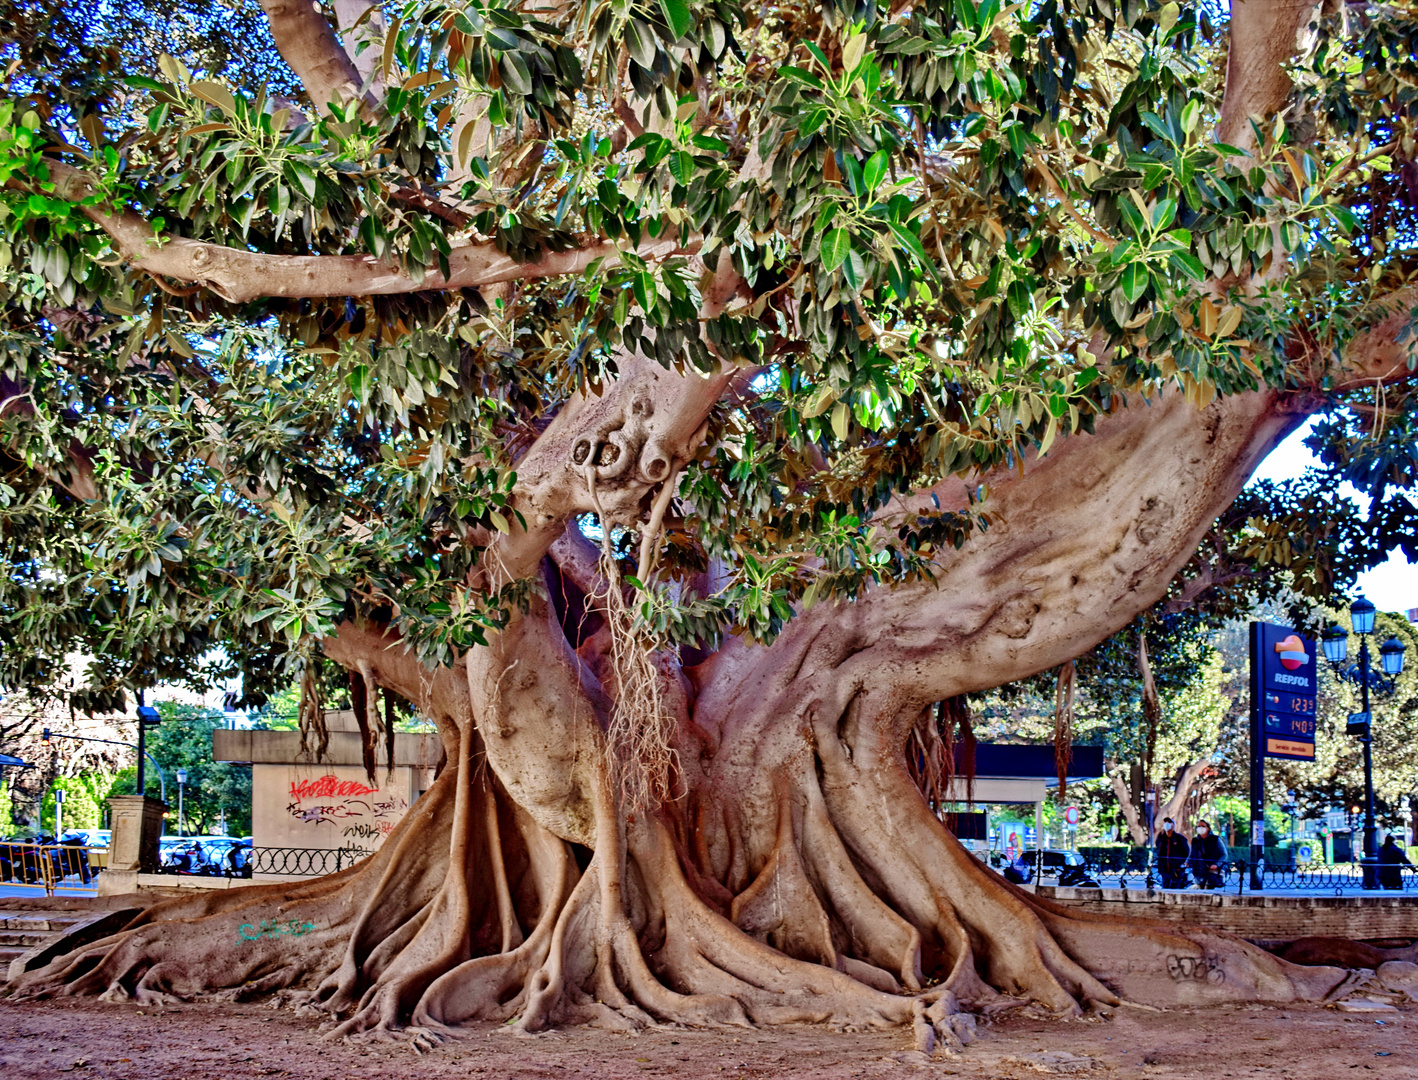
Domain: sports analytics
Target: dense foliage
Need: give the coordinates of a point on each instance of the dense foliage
(967, 230)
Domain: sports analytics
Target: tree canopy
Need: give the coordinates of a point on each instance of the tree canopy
(272, 353)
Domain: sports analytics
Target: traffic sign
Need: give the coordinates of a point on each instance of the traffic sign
(1071, 815)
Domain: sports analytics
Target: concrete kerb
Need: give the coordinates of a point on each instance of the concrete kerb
(1262, 917)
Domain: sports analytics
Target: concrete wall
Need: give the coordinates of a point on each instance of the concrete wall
(330, 803)
(330, 806)
(1259, 918)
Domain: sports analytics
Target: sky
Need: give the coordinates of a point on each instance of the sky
(1390, 587)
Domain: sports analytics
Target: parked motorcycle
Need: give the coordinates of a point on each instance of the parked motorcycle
(1077, 877)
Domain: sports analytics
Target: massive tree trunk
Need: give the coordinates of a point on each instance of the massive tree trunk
(792, 870)
(795, 872)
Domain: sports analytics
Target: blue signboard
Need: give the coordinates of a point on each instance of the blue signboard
(1283, 665)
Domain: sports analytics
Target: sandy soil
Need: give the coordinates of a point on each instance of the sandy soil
(201, 1041)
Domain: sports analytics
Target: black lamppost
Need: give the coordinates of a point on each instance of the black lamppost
(1336, 648)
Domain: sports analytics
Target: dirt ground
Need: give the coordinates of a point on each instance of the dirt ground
(202, 1041)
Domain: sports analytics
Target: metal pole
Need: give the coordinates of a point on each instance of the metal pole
(1371, 849)
(1257, 761)
(142, 751)
(180, 786)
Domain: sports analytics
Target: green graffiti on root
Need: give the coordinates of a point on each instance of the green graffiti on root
(270, 928)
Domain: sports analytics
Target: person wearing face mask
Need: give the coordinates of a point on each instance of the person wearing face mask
(1172, 850)
(1208, 857)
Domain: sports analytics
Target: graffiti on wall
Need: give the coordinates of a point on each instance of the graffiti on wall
(358, 810)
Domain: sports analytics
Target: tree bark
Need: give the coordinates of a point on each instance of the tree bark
(798, 873)
(308, 44)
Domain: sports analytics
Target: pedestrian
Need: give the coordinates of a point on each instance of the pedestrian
(1391, 861)
(1208, 857)
(1172, 850)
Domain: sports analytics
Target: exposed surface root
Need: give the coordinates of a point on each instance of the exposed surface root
(824, 891)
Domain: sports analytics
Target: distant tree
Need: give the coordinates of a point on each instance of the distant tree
(83, 800)
(184, 740)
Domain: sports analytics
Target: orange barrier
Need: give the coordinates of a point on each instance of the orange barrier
(50, 865)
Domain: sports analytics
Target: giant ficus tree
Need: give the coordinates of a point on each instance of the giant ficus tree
(675, 401)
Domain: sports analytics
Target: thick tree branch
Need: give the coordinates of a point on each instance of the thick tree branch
(634, 437)
(1387, 351)
(1125, 507)
(1264, 35)
(1183, 781)
(364, 38)
(308, 44)
(1197, 587)
(241, 276)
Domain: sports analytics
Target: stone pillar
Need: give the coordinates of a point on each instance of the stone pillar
(137, 828)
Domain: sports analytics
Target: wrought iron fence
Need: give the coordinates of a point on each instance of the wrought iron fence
(54, 866)
(1134, 870)
(300, 862)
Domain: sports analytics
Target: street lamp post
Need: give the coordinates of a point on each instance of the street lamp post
(1336, 647)
(181, 780)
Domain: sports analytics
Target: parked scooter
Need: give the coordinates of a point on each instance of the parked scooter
(1077, 877)
(191, 858)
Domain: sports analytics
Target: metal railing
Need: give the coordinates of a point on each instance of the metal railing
(302, 862)
(54, 866)
(1132, 869)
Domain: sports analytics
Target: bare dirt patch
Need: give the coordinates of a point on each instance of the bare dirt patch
(202, 1041)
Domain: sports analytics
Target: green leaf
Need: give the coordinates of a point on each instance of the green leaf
(142, 82)
(1342, 216)
(215, 94)
(835, 245)
(302, 178)
(1188, 264)
(358, 381)
(678, 16)
(852, 53)
(911, 243)
(715, 37)
(1020, 298)
(1134, 281)
(640, 40)
(1191, 115)
(798, 75)
(515, 74)
(502, 40)
(875, 170)
(682, 167)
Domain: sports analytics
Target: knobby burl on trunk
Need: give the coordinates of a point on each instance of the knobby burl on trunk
(796, 873)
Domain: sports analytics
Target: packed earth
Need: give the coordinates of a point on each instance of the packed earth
(198, 1041)
(685, 419)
